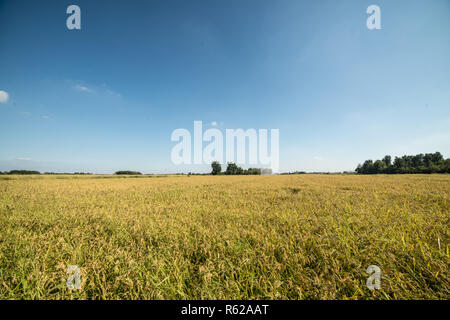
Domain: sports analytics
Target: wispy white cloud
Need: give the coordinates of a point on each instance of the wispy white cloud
(113, 93)
(45, 117)
(97, 89)
(82, 88)
(214, 124)
(4, 96)
(23, 159)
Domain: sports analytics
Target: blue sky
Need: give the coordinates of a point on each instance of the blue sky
(107, 97)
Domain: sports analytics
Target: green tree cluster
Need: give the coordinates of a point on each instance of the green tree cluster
(128, 172)
(420, 163)
(233, 169)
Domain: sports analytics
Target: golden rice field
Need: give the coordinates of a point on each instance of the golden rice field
(225, 237)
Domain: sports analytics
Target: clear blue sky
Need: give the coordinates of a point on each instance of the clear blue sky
(108, 96)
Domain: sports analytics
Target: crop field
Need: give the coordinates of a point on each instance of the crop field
(225, 237)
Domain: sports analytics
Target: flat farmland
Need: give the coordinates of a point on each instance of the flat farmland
(225, 237)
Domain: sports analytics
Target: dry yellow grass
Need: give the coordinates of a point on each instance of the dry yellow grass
(225, 237)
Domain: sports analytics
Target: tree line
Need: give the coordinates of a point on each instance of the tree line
(420, 163)
(37, 172)
(233, 169)
(128, 172)
(21, 172)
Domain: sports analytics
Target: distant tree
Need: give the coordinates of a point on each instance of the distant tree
(379, 167)
(387, 161)
(399, 165)
(446, 166)
(216, 168)
(367, 166)
(128, 172)
(418, 160)
(427, 159)
(437, 158)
